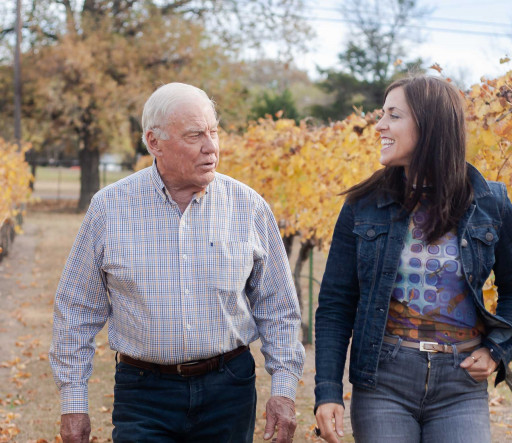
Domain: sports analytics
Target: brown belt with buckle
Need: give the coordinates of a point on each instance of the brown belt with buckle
(189, 369)
(432, 346)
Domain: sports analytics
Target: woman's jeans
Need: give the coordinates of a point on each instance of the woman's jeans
(421, 397)
(217, 407)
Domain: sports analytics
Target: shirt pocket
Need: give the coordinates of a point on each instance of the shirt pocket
(229, 266)
(484, 239)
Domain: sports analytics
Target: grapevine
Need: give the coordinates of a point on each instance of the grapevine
(14, 187)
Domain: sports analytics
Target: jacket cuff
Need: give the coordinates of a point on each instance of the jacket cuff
(495, 351)
(328, 392)
(498, 355)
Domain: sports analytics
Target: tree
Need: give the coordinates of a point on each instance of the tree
(372, 58)
(89, 70)
(275, 104)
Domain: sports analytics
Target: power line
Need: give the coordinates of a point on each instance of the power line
(439, 19)
(426, 28)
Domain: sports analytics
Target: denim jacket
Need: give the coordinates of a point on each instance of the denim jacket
(361, 270)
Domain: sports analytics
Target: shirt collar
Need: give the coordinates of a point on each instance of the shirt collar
(164, 193)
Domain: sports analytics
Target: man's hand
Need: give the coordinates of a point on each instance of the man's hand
(325, 415)
(479, 364)
(75, 428)
(280, 413)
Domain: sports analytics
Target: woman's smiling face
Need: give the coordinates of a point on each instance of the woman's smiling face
(398, 130)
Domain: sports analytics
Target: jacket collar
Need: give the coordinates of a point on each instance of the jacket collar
(480, 187)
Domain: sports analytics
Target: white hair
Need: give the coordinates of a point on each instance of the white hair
(163, 102)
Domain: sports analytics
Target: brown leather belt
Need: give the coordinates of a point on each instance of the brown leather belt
(189, 369)
(430, 346)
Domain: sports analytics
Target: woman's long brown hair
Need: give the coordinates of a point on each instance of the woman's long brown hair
(438, 160)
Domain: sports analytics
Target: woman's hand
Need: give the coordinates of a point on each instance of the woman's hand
(479, 364)
(326, 414)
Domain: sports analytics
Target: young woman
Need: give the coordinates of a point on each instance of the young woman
(410, 253)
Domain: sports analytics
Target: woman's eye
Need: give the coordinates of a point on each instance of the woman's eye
(394, 116)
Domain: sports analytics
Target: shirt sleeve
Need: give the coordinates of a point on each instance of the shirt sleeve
(80, 311)
(275, 306)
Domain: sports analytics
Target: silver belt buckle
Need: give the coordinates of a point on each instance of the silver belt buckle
(423, 343)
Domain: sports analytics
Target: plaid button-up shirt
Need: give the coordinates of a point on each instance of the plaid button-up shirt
(175, 287)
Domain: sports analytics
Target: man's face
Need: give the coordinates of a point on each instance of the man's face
(187, 161)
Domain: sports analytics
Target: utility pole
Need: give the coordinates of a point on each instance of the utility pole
(17, 77)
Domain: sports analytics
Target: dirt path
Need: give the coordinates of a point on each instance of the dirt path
(29, 402)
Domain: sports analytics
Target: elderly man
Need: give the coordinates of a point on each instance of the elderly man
(188, 267)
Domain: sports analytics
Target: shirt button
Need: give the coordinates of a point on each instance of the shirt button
(184, 256)
(189, 327)
(470, 278)
(464, 243)
(187, 291)
(489, 236)
(370, 233)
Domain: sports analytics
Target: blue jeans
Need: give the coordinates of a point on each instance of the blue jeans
(414, 403)
(154, 407)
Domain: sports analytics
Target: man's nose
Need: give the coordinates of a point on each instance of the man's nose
(209, 145)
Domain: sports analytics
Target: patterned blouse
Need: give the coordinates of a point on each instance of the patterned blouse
(430, 300)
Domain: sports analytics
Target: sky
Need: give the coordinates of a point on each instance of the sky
(466, 38)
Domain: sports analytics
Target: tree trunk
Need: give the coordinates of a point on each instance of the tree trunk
(30, 158)
(89, 159)
(305, 248)
(288, 243)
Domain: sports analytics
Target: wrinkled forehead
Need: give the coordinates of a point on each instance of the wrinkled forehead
(195, 110)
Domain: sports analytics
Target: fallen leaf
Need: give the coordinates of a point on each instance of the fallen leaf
(10, 363)
(25, 337)
(496, 401)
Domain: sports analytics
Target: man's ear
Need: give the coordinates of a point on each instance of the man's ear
(153, 145)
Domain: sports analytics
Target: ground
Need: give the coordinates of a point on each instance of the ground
(29, 401)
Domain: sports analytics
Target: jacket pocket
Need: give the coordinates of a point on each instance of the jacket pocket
(370, 239)
(484, 239)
